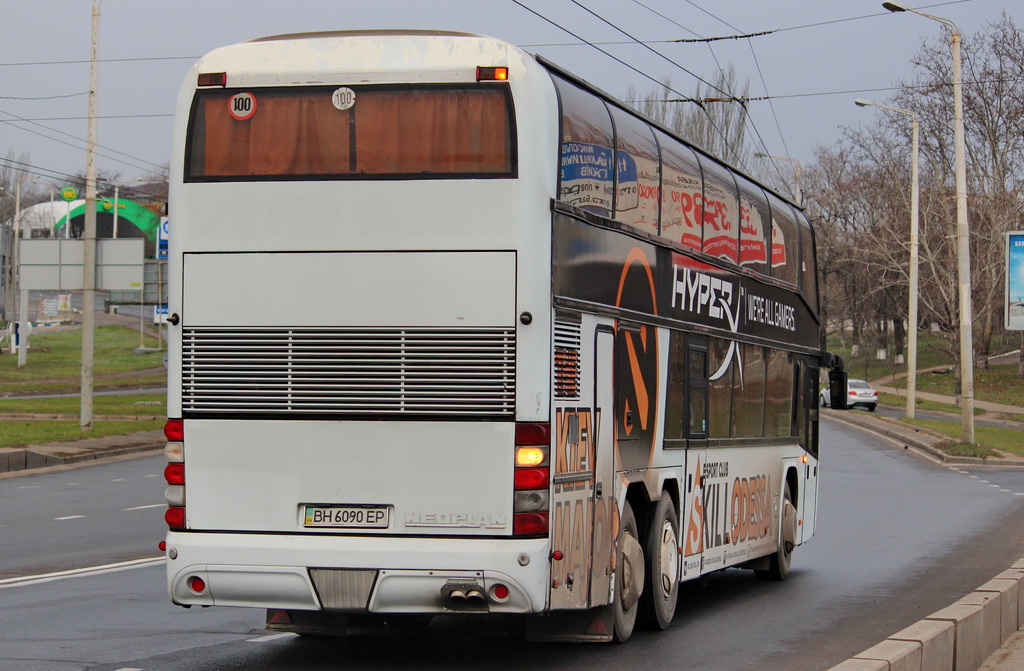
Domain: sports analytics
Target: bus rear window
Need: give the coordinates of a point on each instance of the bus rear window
(359, 132)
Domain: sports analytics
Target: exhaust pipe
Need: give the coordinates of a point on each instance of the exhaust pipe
(464, 596)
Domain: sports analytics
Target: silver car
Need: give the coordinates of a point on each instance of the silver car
(858, 393)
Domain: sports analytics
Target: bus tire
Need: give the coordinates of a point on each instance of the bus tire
(629, 576)
(778, 568)
(661, 587)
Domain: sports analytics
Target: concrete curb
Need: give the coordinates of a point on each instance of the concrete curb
(960, 637)
(28, 457)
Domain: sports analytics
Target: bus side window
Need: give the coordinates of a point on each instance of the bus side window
(674, 411)
(637, 173)
(784, 254)
(721, 360)
(697, 387)
(808, 268)
(586, 175)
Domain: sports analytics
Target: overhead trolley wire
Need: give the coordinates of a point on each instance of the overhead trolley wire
(612, 56)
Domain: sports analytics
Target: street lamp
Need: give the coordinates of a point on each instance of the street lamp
(796, 170)
(962, 240)
(914, 261)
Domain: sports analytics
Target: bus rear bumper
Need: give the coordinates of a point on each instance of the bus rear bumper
(421, 575)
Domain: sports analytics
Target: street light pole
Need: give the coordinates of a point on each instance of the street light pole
(915, 199)
(796, 171)
(963, 247)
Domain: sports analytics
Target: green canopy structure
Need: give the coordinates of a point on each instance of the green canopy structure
(133, 220)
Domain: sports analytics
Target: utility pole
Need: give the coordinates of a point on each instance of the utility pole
(89, 236)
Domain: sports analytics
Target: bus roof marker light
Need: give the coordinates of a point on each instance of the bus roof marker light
(212, 79)
(491, 74)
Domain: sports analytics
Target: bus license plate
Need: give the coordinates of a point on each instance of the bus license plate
(347, 517)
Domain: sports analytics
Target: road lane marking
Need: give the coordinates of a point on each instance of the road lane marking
(154, 505)
(80, 572)
(271, 637)
(69, 517)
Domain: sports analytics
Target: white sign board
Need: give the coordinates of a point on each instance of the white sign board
(50, 265)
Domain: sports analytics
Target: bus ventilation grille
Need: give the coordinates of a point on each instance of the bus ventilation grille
(567, 360)
(384, 372)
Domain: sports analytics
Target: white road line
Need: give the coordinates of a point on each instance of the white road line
(69, 517)
(118, 480)
(80, 572)
(155, 505)
(1018, 493)
(271, 637)
(30, 487)
(153, 475)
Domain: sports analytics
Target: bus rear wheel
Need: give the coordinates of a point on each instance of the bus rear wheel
(661, 588)
(629, 576)
(778, 569)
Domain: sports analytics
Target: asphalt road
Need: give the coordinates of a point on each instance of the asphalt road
(899, 537)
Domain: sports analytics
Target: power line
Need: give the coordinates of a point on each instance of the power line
(718, 64)
(75, 146)
(615, 58)
(764, 84)
(105, 116)
(711, 120)
(67, 95)
(101, 60)
(30, 169)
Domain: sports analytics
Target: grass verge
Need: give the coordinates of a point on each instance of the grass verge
(18, 432)
(989, 439)
(896, 401)
(53, 366)
(143, 405)
(56, 357)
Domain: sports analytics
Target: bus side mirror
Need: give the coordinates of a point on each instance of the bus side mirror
(837, 381)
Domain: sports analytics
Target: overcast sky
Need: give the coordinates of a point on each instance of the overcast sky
(823, 55)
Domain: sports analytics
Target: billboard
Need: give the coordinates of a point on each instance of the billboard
(1014, 319)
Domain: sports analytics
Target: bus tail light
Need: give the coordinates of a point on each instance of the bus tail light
(174, 474)
(531, 479)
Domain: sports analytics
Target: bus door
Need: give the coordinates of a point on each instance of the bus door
(806, 416)
(694, 366)
(582, 473)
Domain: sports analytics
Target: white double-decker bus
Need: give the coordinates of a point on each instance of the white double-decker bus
(455, 333)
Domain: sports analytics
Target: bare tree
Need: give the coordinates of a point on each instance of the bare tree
(859, 189)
